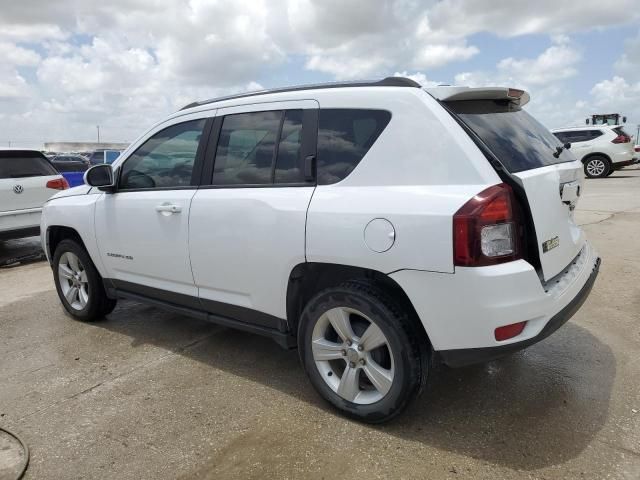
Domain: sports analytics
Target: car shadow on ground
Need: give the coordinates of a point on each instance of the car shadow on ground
(20, 251)
(535, 408)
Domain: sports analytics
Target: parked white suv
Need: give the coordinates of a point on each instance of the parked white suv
(27, 180)
(376, 227)
(602, 149)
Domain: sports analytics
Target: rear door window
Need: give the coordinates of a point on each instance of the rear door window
(518, 140)
(289, 162)
(246, 148)
(24, 164)
(344, 138)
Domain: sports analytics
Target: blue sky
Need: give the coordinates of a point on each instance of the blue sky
(69, 66)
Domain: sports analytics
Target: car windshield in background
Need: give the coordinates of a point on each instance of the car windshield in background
(24, 164)
(518, 140)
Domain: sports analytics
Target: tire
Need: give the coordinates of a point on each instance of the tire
(611, 170)
(597, 167)
(73, 269)
(369, 384)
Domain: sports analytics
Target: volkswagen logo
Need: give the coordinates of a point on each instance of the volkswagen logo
(18, 188)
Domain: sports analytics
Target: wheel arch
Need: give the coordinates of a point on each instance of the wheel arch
(307, 279)
(595, 154)
(56, 233)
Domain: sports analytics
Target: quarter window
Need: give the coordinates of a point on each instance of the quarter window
(165, 160)
(344, 137)
(246, 148)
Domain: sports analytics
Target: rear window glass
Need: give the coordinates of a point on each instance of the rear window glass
(344, 137)
(518, 140)
(24, 164)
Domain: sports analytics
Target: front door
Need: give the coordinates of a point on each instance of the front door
(142, 229)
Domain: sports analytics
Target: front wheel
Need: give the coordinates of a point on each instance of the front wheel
(79, 284)
(362, 352)
(597, 167)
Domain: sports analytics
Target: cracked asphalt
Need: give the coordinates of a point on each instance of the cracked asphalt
(149, 394)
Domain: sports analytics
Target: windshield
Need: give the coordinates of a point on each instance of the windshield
(518, 140)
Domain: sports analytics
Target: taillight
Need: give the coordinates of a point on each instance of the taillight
(621, 139)
(58, 184)
(485, 229)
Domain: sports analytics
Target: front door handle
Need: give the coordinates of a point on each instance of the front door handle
(168, 208)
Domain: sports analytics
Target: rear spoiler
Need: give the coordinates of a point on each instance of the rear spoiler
(452, 94)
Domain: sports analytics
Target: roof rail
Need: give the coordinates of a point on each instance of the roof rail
(385, 82)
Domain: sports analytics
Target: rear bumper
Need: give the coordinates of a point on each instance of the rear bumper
(469, 356)
(461, 311)
(626, 163)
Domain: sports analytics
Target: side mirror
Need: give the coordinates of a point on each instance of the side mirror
(100, 176)
(624, 119)
(586, 120)
(567, 146)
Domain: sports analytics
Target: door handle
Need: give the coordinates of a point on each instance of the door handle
(168, 208)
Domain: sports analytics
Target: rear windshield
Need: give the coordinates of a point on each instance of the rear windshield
(518, 140)
(24, 164)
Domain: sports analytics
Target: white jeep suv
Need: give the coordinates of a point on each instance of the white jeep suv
(377, 227)
(602, 149)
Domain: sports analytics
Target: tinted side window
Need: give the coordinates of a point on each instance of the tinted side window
(20, 165)
(595, 133)
(165, 160)
(562, 136)
(246, 148)
(344, 137)
(289, 168)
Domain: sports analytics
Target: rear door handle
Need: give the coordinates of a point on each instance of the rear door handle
(168, 208)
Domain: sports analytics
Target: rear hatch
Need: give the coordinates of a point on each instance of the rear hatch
(23, 178)
(533, 159)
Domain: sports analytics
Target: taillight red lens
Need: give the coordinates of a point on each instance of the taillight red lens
(58, 184)
(509, 331)
(621, 139)
(485, 230)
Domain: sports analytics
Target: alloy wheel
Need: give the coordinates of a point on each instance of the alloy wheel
(596, 167)
(352, 355)
(73, 280)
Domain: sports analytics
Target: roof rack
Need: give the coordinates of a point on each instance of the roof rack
(386, 82)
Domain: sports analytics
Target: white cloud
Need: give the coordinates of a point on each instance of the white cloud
(437, 55)
(69, 64)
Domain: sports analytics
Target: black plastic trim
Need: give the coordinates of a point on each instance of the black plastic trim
(232, 316)
(20, 233)
(386, 82)
(469, 356)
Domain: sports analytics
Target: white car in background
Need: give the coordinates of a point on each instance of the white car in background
(27, 181)
(603, 149)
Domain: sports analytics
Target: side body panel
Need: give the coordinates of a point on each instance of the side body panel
(417, 174)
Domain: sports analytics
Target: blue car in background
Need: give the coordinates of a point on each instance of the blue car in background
(72, 167)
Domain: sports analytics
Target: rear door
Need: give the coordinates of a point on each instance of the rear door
(23, 179)
(247, 221)
(552, 183)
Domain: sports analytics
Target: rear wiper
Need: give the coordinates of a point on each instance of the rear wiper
(559, 150)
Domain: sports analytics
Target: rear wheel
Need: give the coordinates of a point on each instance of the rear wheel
(597, 167)
(361, 351)
(79, 284)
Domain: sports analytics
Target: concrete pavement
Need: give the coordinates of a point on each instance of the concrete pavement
(150, 394)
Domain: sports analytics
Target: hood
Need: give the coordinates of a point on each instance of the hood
(72, 192)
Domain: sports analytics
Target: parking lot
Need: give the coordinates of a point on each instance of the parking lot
(150, 394)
